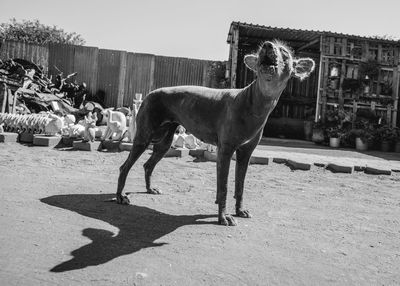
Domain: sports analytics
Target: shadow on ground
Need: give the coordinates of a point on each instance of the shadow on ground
(138, 228)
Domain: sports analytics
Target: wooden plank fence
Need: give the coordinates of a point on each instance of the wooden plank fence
(115, 75)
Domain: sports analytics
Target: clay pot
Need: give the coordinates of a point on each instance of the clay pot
(361, 145)
(318, 136)
(334, 142)
(385, 146)
(397, 147)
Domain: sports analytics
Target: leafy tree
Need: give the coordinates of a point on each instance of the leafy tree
(37, 33)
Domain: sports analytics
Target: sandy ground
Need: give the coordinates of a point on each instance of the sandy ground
(308, 227)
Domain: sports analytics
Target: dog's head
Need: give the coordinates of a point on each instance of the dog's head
(274, 64)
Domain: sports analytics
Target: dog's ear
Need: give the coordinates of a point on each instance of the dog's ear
(251, 62)
(303, 67)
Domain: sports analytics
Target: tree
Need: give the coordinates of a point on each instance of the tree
(37, 33)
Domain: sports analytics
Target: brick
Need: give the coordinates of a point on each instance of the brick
(298, 165)
(339, 168)
(7, 137)
(178, 152)
(48, 141)
(26, 137)
(86, 146)
(376, 171)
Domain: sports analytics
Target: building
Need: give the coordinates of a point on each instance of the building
(352, 73)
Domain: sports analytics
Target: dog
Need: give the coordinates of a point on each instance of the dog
(231, 119)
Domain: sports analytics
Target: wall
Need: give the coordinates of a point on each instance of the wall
(115, 75)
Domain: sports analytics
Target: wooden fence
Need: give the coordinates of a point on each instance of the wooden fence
(116, 75)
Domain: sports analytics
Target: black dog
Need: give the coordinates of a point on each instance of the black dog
(231, 119)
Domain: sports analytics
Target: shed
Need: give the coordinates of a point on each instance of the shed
(339, 81)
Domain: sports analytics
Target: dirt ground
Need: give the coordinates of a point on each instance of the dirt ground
(308, 227)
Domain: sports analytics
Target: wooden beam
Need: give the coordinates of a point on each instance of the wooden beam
(3, 107)
(313, 42)
(121, 79)
(235, 53)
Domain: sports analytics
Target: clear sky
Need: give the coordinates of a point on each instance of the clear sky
(198, 29)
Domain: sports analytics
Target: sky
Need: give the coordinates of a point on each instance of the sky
(199, 29)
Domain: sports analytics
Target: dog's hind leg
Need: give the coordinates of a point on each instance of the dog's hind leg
(243, 155)
(159, 150)
(137, 150)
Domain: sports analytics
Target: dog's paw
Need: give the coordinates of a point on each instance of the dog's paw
(243, 213)
(123, 200)
(154, 191)
(227, 220)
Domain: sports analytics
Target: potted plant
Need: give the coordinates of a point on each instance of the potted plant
(387, 136)
(397, 142)
(318, 135)
(334, 134)
(362, 138)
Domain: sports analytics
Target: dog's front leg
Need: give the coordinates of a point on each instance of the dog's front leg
(223, 162)
(243, 155)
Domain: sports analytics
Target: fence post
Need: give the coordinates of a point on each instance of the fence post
(121, 79)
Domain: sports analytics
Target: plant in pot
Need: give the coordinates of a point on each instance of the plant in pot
(362, 138)
(397, 141)
(318, 135)
(387, 137)
(334, 134)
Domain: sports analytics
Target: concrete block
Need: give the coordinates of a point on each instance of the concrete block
(197, 152)
(359, 168)
(259, 160)
(26, 137)
(376, 171)
(86, 146)
(7, 137)
(110, 145)
(48, 141)
(210, 156)
(323, 165)
(298, 165)
(279, 160)
(67, 141)
(339, 168)
(125, 146)
(178, 152)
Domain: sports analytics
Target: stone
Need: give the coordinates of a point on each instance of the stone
(86, 146)
(110, 145)
(178, 152)
(210, 156)
(26, 137)
(376, 171)
(7, 137)
(259, 160)
(359, 168)
(339, 168)
(323, 165)
(48, 141)
(125, 146)
(197, 152)
(67, 141)
(279, 160)
(298, 165)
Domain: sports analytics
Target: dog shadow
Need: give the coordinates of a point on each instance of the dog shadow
(139, 228)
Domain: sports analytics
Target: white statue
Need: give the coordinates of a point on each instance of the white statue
(90, 127)
(183, 140)
(116, 125)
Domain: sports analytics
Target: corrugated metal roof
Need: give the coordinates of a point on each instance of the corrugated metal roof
(292, 35)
